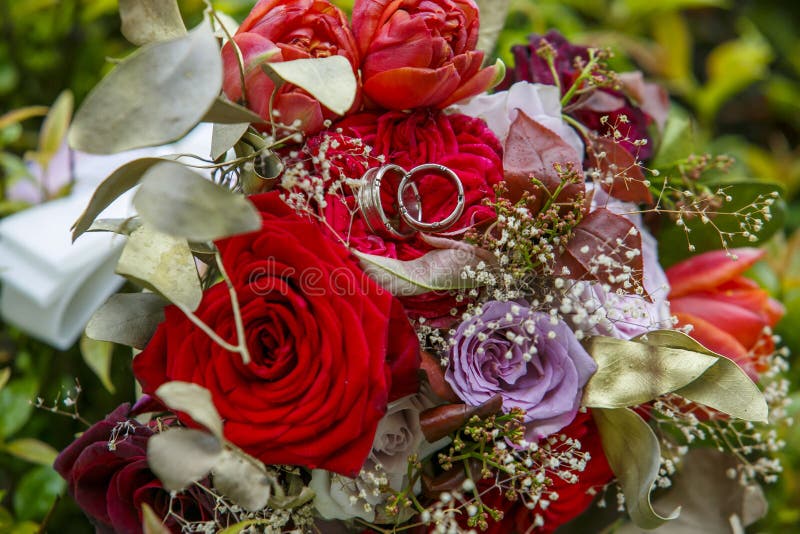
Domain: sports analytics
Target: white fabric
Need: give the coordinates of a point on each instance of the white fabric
(51, 286)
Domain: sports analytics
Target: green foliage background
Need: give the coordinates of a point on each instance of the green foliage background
(733, 65)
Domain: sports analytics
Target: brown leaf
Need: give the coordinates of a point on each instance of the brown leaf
(599, 249)
(533, 151)
(616, 163)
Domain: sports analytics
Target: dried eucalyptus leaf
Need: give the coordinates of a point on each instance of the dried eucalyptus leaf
(328, 79)
(296, 500)
(634, 456)
(243, 480)
(121, 180)
(224, 136)
(709, 499)
(180, 202)
(128, 319)
(437, 270)
(724, 386)
(163, 264)
(120, 226)
(493, 18)
(128, 108)
(145, 21)
(151, 524)
(223, 111)
(193, 400)
(181, 456)
(97, 355)
(630, 373)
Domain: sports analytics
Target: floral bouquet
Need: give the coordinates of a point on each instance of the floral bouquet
(406, 291)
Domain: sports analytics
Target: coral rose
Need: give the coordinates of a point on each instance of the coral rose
(729, 313)
(329, 347)
(285, 30)
(420, 53)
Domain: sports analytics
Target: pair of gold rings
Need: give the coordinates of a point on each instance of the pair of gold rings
(409, 202)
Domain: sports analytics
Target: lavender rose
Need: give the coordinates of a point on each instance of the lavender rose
(532, 360)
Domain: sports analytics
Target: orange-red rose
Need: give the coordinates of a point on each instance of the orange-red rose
(420, 53)
(729, 313)
(285, 30)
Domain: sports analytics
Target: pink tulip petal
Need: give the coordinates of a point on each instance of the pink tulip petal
(408, 88)
(746, 326)
(484, 80)
(717, 340)
(708, 270)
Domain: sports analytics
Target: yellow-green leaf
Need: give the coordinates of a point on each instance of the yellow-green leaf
(328, 79)
(634, 456)
(151, 523)
(163, 264)
(240, 526)
(32, 450)
(5, 374)
(97, 355)
(16, 116)
(54, 127)
(145, 21)
(630, 373)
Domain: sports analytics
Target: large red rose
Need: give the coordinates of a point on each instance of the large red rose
(285, 30)
(329, 347)
(420, 53)
(729, 313)
(108, 476)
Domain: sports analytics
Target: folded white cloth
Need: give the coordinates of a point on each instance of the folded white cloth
(51, 286)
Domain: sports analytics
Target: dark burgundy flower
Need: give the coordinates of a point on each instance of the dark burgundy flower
(108, 476)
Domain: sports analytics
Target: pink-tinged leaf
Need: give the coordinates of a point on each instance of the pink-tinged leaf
(533, 151)
(604, 245)
(620, 176)
(717, 340)
(651, 97)
(706, 271)
(409, 87)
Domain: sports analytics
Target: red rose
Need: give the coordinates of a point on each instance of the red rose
(329, 347)
(107, 474)
(464, 144)
(420, 53)
(729, 313)
(573, 499)
(285, 30)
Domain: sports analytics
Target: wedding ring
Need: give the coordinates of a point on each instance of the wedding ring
(369, 202)
(413, 217)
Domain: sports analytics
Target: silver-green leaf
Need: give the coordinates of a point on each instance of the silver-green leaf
(193, 400)
(223, 111)
(128, 108)
(634, 456)
(145, 21)
(182, 203)
(128, 319)
(162, 263)
(181, 456)
(328, 79)
(224, 136)
(244, 480)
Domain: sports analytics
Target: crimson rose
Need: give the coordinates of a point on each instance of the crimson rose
(329, 347)
(107, 474)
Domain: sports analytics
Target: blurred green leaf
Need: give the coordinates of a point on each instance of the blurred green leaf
(672, 240)
(32, 450)
(731, 67)
(675, 50)
(36, 493)
(54, 128)
(647, 7)
(677, 140)
(15, 404)
(97, 355)
(18, 115)
(5, 374)
(127, 109)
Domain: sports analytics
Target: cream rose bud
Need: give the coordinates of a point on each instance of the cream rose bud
(540, 102)
(398, 437)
